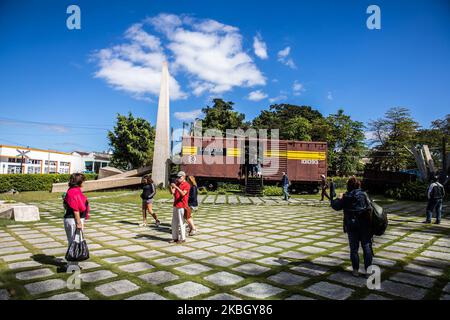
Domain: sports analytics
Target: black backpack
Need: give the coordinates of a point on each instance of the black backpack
(378, 217)
(438, 191)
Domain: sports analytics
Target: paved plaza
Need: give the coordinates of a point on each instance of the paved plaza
(246, 248)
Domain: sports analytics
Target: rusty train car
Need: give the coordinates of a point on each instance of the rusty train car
(214, 159)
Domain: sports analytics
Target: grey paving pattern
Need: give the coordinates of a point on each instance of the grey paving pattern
(240, 252)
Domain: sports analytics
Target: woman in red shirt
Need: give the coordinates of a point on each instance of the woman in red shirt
(77, 208)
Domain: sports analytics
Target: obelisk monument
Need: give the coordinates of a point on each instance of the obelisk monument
(161, 155)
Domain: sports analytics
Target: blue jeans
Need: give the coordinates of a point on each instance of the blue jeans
(354, 238)
(434, 205)
(286, 192)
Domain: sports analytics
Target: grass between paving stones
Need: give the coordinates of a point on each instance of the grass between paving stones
(131, 213)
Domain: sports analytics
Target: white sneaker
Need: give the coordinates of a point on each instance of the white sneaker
(355, 273)
(143, 225)
(193, 232)
(157, 223)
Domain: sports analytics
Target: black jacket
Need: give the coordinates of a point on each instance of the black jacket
(192, 201)
(148, 192)
(355, 205)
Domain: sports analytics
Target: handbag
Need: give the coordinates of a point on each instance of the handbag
(78, 249)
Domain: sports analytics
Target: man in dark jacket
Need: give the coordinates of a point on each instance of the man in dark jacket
(356, 222)
(436, 194)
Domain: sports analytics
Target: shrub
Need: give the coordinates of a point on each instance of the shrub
(34, 182)
(202, 190)
(230, 187)
(409, 191)
(272, 191)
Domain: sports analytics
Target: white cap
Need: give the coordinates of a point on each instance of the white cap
(181, 174)
(323, 176)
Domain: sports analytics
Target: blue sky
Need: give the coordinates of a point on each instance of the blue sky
(61, 89)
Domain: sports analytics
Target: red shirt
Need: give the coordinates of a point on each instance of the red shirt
(77, 200)
(179, 201)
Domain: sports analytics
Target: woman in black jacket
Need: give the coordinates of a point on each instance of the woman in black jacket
(148, 192)
(193, 204)
(356, 222)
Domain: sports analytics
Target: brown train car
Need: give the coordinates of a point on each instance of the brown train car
(213, 160)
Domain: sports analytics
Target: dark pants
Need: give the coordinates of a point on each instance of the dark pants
(354, 239)
(434, 205)
(324, 194)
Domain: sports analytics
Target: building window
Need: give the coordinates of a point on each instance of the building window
(33, 170)
(52, 163)
(14, 169)
(33, 161)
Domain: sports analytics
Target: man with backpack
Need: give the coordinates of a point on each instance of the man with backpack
(357, 222)
(436, 194)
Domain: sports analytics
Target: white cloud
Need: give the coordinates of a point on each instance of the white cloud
(189, 115)
(210, 53)
(135, 66)
(297, 88)
(329, 95)
(207, 53)
(260, 47)
(284, 58)
(279, 98)
(257, 95)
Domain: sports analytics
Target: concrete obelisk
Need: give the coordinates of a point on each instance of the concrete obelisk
(161, 155)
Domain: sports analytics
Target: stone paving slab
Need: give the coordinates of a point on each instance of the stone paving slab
(116, 288)
(330, 291)
(68, 296)
(402, 290)
(187, 290)
(45, 286)
(259, 290)
(158, 277)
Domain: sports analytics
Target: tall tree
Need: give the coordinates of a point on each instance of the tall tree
(345, 143)
(222, 116)
(279, 115)
(392, 134)
(132, 142)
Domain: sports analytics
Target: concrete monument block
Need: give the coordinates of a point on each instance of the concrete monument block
(161, 153)
(19, 212)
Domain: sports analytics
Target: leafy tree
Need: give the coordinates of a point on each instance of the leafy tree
(345, 143)
(298, 128)
(392, 134)
(434, 137)
(279, 115)
(222, 116)
(132, 142)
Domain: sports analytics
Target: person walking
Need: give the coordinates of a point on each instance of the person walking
(147, 195)
(76, 208)
(193, 205)
(356, 222)
(324, 186)
(436, 193)
(180, 191)
(285, 185)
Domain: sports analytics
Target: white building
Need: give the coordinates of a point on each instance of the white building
(39, 161)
